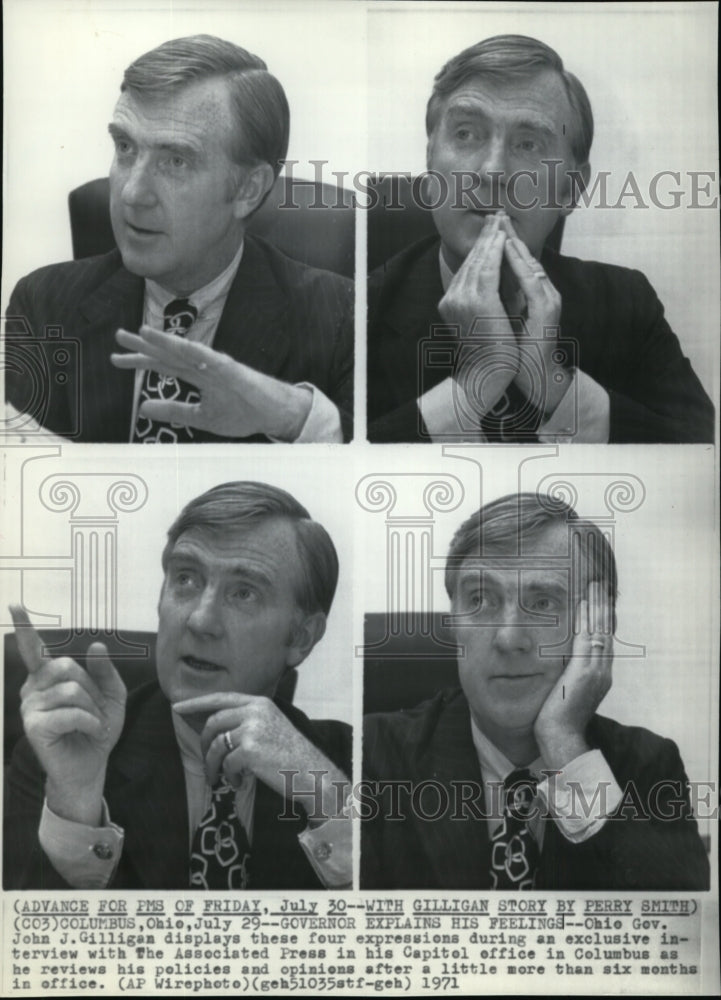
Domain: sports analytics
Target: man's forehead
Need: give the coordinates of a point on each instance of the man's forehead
(556, 549)
(548, 569)
(540, 95)
(267, 547)
(200, 108)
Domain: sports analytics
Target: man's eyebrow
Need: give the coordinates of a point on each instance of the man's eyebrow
(535, 125)
(240, 571)
(187, 149)
(465, 109)
(468, 109)
(117, 132)
(548, 585)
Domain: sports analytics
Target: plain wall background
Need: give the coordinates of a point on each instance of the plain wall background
(64, 61)
(650, 73)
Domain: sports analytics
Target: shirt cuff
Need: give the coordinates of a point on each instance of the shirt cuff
(329, 848)
(323, 421)
(85, 856)
(582, 416)
(582, 796)
(447, 414)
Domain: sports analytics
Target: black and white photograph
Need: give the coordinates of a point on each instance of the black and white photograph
(559, 617)
(166, 173)
(537, 158)
(195, 677)
(397, 669)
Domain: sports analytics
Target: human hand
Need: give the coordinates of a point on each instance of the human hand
(236, 401)
(560, 726)
(265, 743)
(541, 377)
(72, 719)
(488, 358)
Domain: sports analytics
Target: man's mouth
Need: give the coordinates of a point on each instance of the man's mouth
(204, 666)
(139, 231)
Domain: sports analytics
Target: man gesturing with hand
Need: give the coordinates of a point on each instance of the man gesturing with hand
(141, 795)
(540, 791)
(73, 718)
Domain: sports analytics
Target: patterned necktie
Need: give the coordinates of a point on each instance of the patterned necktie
(220, 855)
(514, 851)
(178, 317)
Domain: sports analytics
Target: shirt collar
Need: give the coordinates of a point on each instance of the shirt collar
(202, 298)
(495, 766)
(189, 745)
(446, 273)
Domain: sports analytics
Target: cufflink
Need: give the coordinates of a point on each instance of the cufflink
(322, 851)
(103, 851)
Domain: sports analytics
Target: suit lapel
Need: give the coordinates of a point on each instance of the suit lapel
(577, 324)
(418, 297)
(146, 795)
(409, 310)
(457, 848)
(106, 392)
(253, 328)
(277, 859)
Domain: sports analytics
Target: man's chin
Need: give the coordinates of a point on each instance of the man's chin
(141, 264)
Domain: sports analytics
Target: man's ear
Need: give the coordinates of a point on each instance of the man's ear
(254, 184)
(585, 171)
(309, 630)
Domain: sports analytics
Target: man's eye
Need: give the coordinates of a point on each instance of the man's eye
(185, 580)
(175, 163)
(544, 604)
(122, 147)
(243, 594)
(528, 145)
(464, 134)
(480, 600)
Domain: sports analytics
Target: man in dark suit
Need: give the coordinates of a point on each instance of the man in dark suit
(104, 794)
(513, 781)
(266, 346)
(486, 333)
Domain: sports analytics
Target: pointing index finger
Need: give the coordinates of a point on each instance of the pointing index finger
(29, 642)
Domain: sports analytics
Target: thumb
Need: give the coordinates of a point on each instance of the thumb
(102, 671)
(170, 412)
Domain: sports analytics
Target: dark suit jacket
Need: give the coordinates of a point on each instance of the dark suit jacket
(612, 313)
(145, 792)
(434, 741)
(281, 318)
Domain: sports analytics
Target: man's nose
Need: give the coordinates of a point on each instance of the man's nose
(493, 166)
(206, 617)
(513, 633)
(138, 184)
